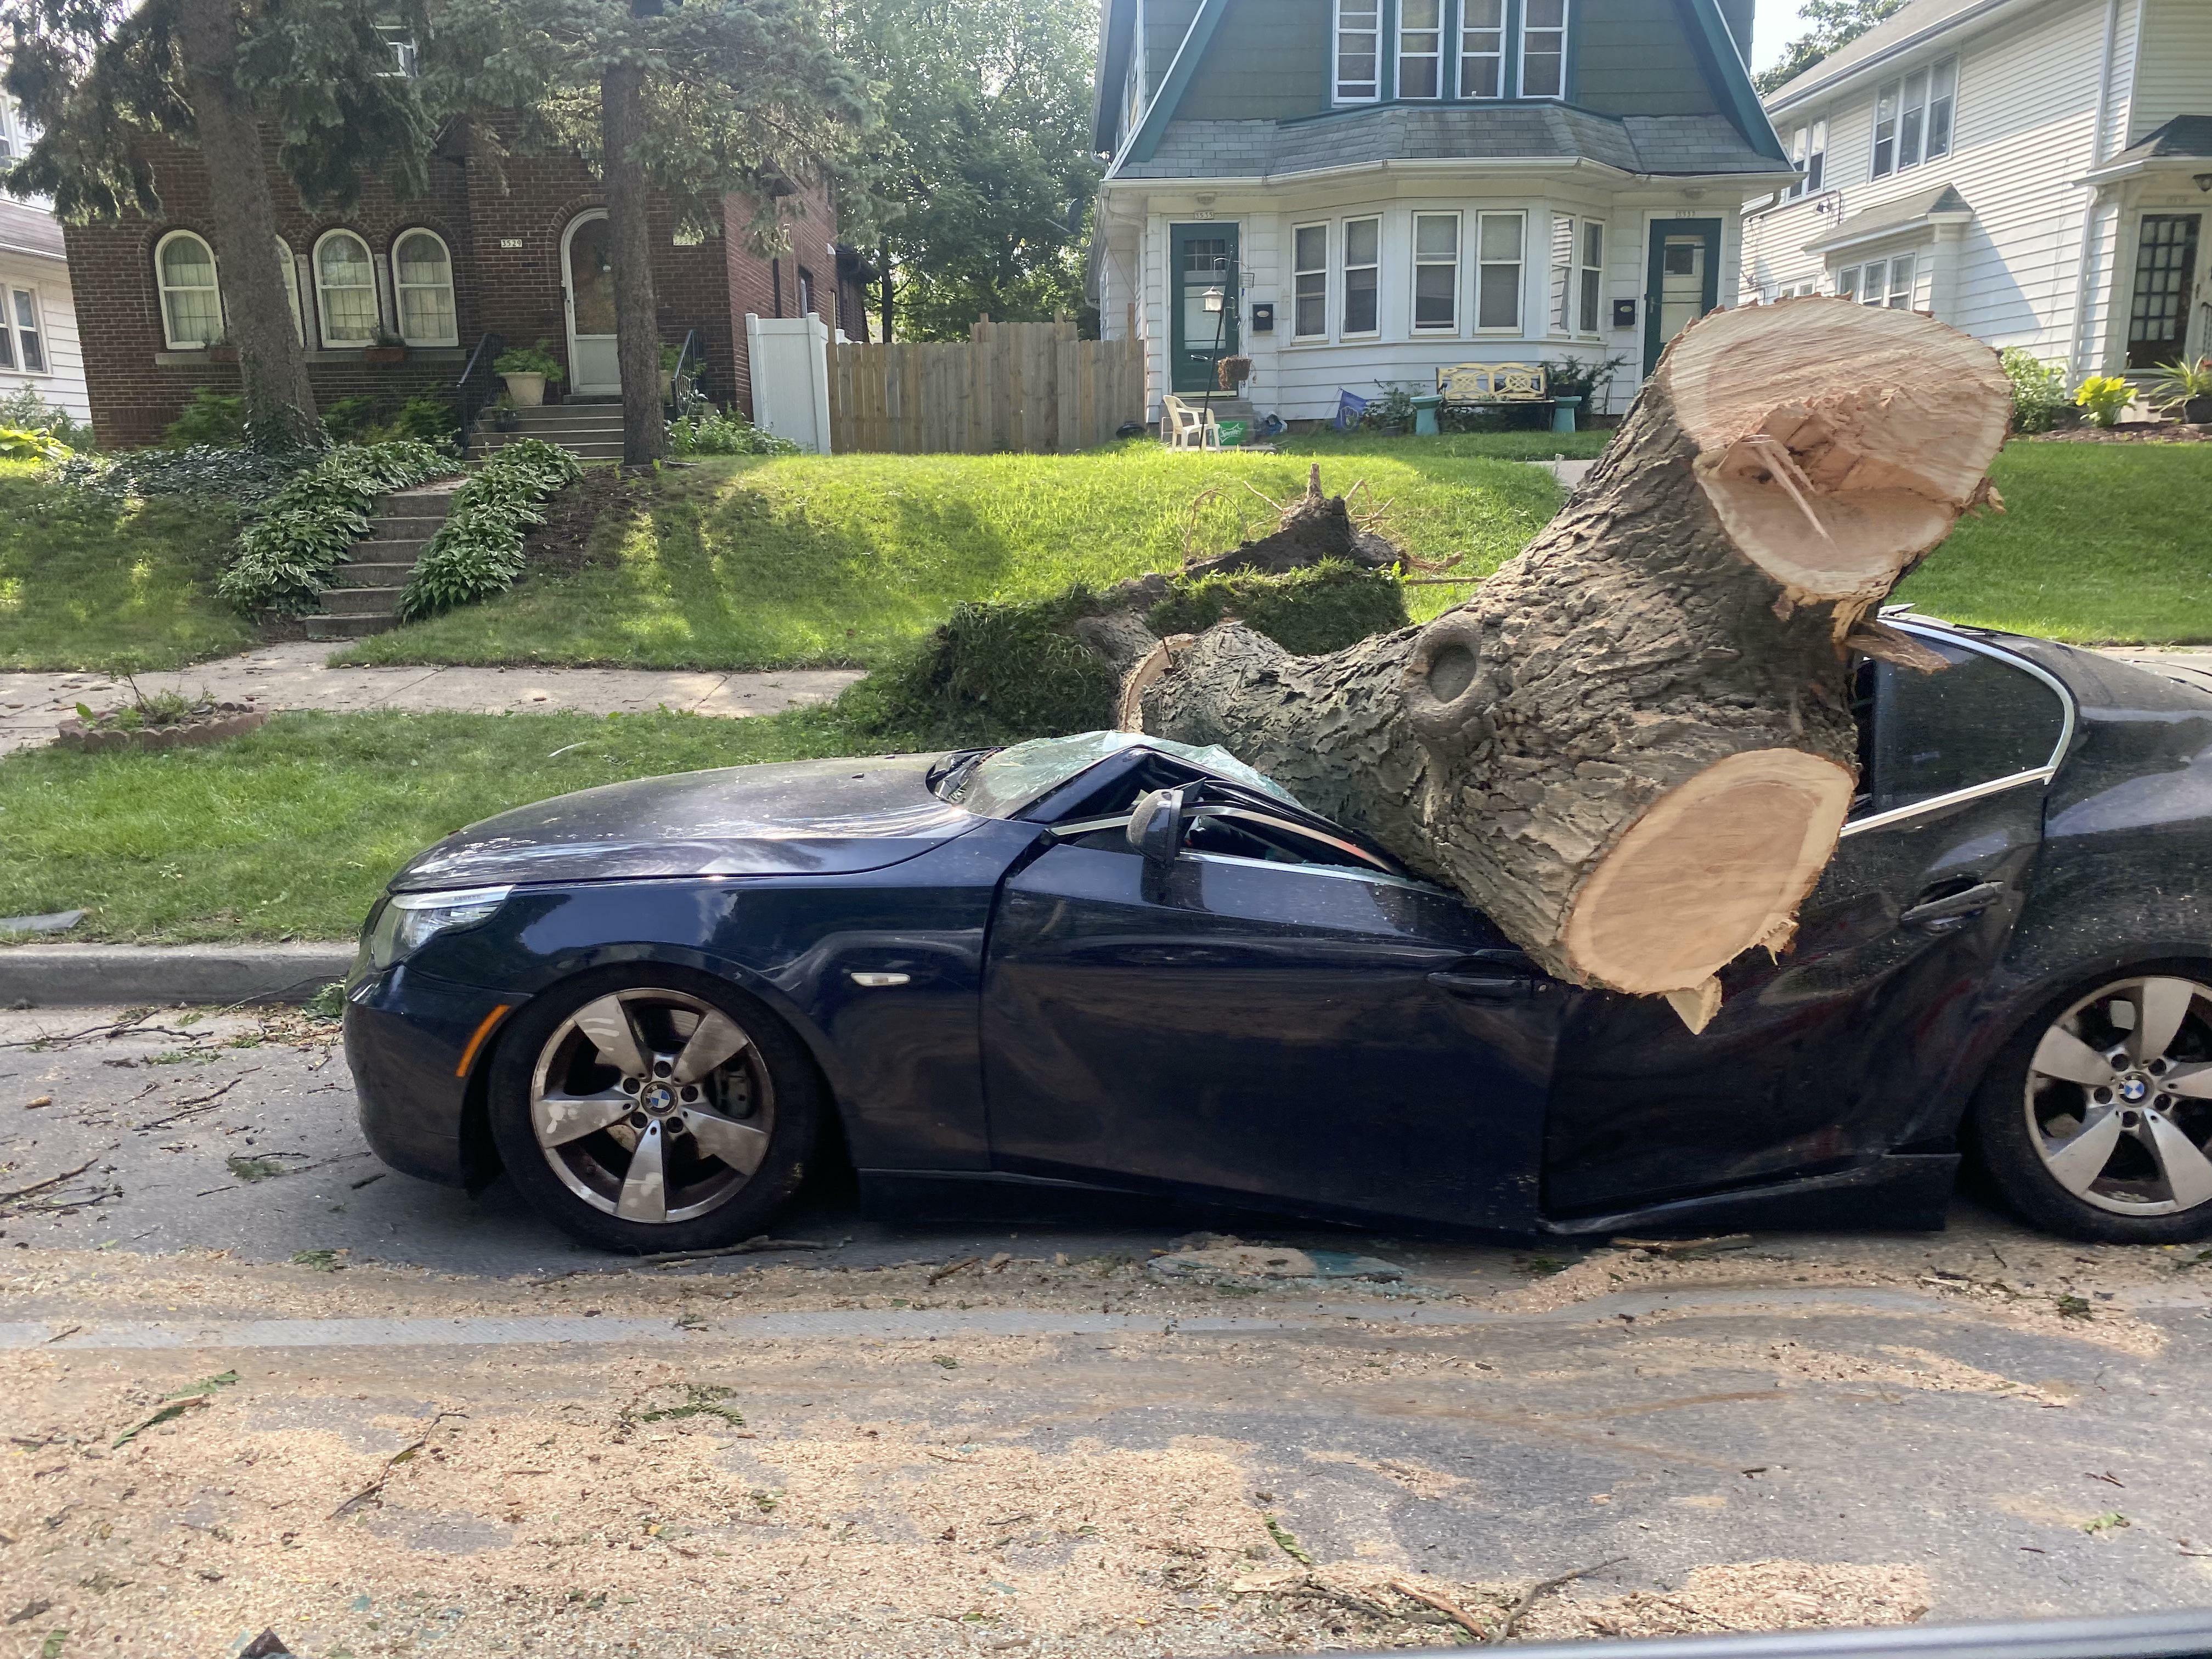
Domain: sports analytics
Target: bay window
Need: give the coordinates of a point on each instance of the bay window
(1421, 48)
(1879, 282)
(1436, 273)
(1309, 283)
(1363, 261)
(1358, 51)
(1499, 240)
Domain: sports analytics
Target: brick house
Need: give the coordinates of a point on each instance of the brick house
(514, 247)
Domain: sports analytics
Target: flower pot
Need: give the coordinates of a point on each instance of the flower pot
(528, 391)
(2197, 411)
(383, 356)
(222, 353)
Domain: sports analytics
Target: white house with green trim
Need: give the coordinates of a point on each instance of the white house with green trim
(2038, 173)
(1388, 187)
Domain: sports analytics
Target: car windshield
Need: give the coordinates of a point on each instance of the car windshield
(1000, 784)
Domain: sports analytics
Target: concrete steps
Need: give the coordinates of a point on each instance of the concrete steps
(362, 595)
(589, 431)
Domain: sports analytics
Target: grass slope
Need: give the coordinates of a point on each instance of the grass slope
(291, 831)
(2098, 543)
(89, 583)
(809, 560)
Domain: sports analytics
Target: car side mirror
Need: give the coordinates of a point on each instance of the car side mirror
(1155, 825)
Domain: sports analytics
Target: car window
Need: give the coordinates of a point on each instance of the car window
(1979, 720)
(1230, 831)
(1000, 785)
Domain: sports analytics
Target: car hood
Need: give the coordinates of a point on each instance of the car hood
(807, 818)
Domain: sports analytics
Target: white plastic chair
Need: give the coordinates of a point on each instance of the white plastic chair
(1183, 426)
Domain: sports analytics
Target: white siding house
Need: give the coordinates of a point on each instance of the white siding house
(37, 314)
(2038, 173)
(1394, 187)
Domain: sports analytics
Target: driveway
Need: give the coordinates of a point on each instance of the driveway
(257, 1381)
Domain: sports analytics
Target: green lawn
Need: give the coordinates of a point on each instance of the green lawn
(291, 831)
(809, 560)
(87, 583)
(2098, 542)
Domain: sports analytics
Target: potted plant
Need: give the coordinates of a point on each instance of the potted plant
(504, 418)
(528, 370)
(385, 351)
(2184, 390)
(1391, 414)
(220, 350)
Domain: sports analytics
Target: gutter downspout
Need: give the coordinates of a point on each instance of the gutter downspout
(2096, 190)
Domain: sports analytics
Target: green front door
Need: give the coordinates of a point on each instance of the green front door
(1199, 257)
(1683, 281)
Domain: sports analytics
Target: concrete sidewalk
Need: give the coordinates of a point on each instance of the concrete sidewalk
(293, 675)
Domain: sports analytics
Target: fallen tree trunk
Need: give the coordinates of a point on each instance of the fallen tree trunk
(1633, 748)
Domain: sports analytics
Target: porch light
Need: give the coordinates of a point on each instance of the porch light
(1211, 299)
(2202, 181)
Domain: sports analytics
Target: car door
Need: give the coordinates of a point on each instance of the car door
(1269, 1016)
(1823, 1056)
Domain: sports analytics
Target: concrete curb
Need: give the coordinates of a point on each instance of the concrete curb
(87, 976)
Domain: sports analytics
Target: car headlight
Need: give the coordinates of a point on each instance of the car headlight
(410, 921)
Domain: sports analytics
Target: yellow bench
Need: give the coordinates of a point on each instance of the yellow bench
(1492, 383)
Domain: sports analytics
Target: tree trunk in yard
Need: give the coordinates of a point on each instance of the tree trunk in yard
(629, 237)
(1633, 748)
(257, 315)
(885, 259)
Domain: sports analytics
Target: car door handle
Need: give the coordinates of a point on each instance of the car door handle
(1954, 907)
(1490, 987)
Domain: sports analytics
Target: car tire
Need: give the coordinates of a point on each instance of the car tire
(2087, 1136)
(690, 1137)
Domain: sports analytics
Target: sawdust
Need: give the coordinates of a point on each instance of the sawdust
(1906, 1367)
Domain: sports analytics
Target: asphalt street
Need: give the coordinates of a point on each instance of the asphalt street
(256, 1381)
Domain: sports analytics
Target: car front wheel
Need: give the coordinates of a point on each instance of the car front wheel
(653, 1110)
(2096, 1120)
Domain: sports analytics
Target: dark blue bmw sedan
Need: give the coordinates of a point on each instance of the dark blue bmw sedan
(1112, 963)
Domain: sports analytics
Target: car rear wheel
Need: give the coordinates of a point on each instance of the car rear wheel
(2096, 1120)
(654, 1108)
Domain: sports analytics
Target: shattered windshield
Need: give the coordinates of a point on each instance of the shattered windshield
(1000, 785)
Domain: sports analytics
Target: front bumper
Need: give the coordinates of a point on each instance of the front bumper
(406, 1033)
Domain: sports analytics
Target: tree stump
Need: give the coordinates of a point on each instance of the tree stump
(1633, 748)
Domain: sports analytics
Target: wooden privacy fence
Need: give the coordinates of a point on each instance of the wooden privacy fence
(1027, 387)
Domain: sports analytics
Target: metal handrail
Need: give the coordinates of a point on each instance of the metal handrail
(475, 387)
(691, 365)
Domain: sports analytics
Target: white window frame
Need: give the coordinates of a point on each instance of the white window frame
(1847, 282)
(1434, 57)
(322, 291)
(1345, 267)
(290, 271)
(1899, 93)
(1520, 267)
(11, 331)
(400, 287)
(14, 138)
(1809, 153)
(1300, 273)
(163, 289)
(1371, 12)
(1528, 34)
(1425, 261)
(1491, 51)
(1589, 278)
(1908, 266)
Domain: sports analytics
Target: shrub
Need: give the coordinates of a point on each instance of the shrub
(18, 443)
(2181, 383)
(28, 412)
(1310, 612)
(433, 420)
(716, 434)
(243, 476)
(2102, 397)
(306, 527)
(531, 359)
(2039, 390)
(353, 420)
(216, 418)
(477, 552)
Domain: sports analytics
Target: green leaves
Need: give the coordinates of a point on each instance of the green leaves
(478, 550)
(307, 526)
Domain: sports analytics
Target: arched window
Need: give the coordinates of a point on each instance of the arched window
(289, 275)
(422, 277)
(191, 304)
(345, 290)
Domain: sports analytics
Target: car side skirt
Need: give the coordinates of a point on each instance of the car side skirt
(1910, 1191)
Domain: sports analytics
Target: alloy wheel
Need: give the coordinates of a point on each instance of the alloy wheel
(652, 1105)
(2120, 1097)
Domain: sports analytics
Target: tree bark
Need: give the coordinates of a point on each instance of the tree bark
(629, 237)
(884, 254)
(1633, 748)
(280, 402)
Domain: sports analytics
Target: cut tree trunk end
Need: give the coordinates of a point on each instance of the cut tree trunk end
(1632, 749)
